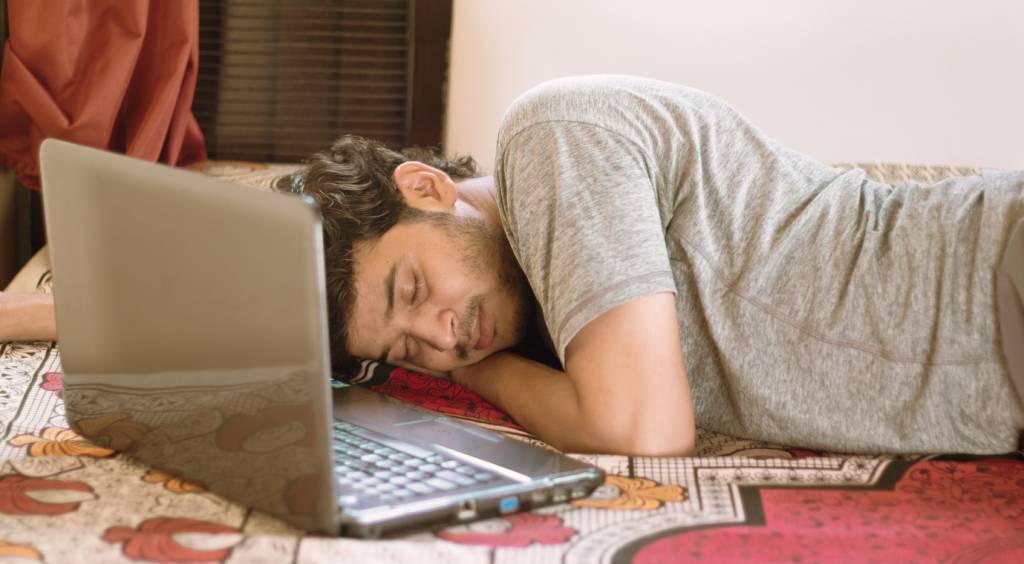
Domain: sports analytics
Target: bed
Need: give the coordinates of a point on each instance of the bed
(65, 499)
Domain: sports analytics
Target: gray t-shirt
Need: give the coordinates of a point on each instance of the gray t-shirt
(816, 307)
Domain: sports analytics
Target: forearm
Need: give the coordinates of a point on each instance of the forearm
(541, 399)
(27, 317)
(624, 391)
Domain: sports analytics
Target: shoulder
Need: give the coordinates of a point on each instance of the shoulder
(621, 103)
(575, 98)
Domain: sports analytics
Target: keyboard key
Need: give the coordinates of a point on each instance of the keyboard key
(450, 464)
(429, 468)
(370, 457)
(483, 476)
(417, 475)
(414, 462)
(467, 470)
(399, 457)
(360, 466)
(399, 480)
(455, 477)
(436, 459)
(440, 484)
(419, 488)
(387, 463)
(402, 494)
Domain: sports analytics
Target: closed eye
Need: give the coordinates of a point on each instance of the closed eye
(417, 289)
(414, 297)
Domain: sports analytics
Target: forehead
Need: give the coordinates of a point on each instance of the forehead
(405, 243)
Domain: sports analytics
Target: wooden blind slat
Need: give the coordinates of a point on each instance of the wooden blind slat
(281, 79)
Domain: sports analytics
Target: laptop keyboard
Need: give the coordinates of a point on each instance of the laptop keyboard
(366, 468)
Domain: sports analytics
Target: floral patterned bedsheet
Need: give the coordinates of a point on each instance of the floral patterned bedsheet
(65, 499)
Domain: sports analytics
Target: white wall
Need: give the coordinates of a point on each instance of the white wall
(922, 81)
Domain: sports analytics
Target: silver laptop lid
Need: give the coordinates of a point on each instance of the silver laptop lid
(192, 325)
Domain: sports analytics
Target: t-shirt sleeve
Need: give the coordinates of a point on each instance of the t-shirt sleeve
(580, 209)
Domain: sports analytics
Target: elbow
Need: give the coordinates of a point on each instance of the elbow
(665, 443)
(643, 440)
(653, 432)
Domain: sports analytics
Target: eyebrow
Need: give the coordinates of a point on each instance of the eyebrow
(389, 293)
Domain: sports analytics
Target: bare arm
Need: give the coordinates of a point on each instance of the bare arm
(27, 317)
(624, 390)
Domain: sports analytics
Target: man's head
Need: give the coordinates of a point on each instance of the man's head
(415, 275)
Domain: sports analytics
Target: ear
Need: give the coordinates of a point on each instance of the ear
(425, 187)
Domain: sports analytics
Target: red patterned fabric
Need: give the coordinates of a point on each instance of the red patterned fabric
(442, 395)
(105, 73)
(154, 540)
(19, 495)
(937, 511)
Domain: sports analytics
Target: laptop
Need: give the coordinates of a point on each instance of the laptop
(193, 335)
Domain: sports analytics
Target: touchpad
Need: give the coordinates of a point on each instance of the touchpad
(442, 430)
(403, 422)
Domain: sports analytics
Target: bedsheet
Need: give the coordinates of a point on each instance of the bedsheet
(66, 499)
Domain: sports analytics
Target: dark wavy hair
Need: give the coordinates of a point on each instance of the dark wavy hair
(353, 185)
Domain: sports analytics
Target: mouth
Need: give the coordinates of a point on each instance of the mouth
(486, 332)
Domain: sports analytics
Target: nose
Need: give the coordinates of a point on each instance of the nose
(437, 328)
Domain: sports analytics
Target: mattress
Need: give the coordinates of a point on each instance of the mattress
(64, 499)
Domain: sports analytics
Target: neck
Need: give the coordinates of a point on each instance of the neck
(478, 198)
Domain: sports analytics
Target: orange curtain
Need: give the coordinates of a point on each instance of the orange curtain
(111, 74)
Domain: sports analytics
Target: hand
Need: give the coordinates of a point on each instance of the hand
(27, 317)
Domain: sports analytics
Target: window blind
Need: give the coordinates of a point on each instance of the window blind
(281, 79)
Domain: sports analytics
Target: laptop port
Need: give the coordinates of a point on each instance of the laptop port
(508, 504)
(466, 510)
(558, 496)
(538, 497)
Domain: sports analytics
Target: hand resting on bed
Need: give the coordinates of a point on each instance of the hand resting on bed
(27, 317)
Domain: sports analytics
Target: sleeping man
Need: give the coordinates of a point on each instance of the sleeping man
(682, 268)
